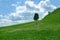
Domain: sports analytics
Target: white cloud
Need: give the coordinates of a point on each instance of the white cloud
(30, 7)
(1, 16)
(15, 15)
(47, 5)
(4, 22)
(43, 7)
(13, 5)
(20, 9)
(52, 6)
(23, 21)
(30, 3)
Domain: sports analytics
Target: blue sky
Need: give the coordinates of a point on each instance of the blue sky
(20, 11)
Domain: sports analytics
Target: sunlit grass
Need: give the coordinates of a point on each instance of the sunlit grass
(46, 29)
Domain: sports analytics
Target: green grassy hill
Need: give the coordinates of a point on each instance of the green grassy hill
(46, 29)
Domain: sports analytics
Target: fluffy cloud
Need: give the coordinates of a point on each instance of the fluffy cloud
(20, 9)
(42, 7)
(30, 8)
(26, 12)
(5, 21)
(30, 3)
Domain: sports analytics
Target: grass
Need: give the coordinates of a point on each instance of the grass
(46, 29)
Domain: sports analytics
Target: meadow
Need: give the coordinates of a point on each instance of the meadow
(46, 29)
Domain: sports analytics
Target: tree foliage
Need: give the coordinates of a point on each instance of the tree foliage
(36, 17)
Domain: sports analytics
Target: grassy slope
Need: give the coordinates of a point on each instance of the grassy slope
(47, 29)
